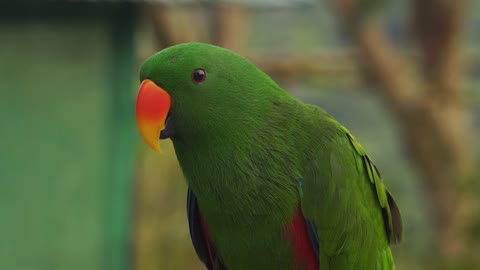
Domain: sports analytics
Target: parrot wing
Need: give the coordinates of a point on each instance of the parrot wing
(354, 215)
(200, 235)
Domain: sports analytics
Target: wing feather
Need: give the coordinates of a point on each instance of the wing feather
(354, 214)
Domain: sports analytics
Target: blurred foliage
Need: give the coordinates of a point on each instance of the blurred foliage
(68, 136)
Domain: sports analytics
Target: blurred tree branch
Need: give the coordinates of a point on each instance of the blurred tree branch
(215, 23)
(428, 107)
(177, 24)
(286, 65)
(230, 25)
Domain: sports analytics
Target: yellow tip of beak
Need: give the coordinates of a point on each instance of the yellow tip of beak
(153, 105)
(150, 133)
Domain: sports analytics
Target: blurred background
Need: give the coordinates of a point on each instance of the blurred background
(79, 190)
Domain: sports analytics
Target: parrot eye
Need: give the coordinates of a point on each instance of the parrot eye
(199, 76)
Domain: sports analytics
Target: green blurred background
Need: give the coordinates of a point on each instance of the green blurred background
(79, 190)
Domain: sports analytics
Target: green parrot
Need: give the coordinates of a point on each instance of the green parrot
(273, 183)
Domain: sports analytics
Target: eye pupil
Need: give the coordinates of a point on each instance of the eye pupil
(198, 76)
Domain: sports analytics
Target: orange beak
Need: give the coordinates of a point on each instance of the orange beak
(153, 104)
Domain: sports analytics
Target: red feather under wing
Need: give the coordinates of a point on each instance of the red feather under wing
(206, 233)
(297, 233)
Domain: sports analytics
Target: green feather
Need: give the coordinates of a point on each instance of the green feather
(243, 143)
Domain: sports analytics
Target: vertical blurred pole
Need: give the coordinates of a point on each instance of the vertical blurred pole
(438, 26)
(123, 143)
(427, 107)
(164, 35)
(229, 25)
(213, 22)
(174, 24)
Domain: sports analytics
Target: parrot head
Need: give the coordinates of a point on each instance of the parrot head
(193, 91)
